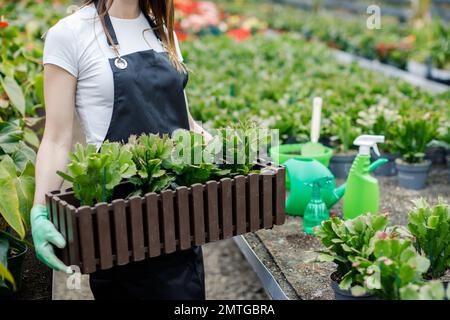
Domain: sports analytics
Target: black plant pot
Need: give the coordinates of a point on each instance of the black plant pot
(388, 169)
(340, 165)
(340, 294)
(413, 176)
(15, 266)
(436, 155)
(448, 166)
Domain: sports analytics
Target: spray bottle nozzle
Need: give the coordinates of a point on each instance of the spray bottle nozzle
(365, 142)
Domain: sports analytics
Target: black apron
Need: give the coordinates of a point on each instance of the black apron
(149, 98)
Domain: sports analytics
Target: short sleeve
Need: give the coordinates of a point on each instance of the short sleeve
(177, 47)
(60, 48)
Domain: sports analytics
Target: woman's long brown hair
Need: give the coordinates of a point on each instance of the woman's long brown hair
(163, 13)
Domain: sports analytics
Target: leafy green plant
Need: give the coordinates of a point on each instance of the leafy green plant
(240, 146)
(95, 174)
(412, 136)
(150, 155)
(347, 242)
(432, 290)
(430, 226)
(396, 264)
(193, 161)
(345, 132)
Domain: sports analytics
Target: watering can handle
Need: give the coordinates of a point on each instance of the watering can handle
(377, 163)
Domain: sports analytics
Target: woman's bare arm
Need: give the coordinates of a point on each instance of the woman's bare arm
(194, 126)
(59, 91)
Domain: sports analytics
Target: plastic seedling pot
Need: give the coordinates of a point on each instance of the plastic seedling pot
(413, 176)
(15, 266)
(340, 294)
(436, 155)
(138, 228)
(388, 169)
(340, 165)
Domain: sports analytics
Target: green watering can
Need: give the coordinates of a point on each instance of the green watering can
(302, 173)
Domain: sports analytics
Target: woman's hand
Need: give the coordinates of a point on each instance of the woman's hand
(44, 236)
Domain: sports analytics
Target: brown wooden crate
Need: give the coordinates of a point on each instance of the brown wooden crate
(226, 209)
(240, 205)
(137, 229)
(168, 217)
(86, 232)
(280, 199)
(212, 211)
(267, 212)
(120, 232)
(253, 201)
(198, 214)
(184, 228)
(104, 235)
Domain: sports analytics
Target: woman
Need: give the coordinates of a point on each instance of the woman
(122, 71)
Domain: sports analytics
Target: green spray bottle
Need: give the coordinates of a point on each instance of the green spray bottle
(316, 210)
(362, 194)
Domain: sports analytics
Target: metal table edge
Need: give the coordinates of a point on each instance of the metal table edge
(269, 282)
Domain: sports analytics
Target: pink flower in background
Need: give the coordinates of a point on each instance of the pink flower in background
(239, 34)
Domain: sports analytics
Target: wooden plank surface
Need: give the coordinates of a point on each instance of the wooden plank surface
(87, 240)
(212, 199)
(240, 206)
(226, 210)
(198, 214)
(184, 228)
(253, 201)
(137, 229)
(120, 232)
(168, 222)
(153, 234)
(104, 236)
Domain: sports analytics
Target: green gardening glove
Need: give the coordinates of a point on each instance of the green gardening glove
(44, 235)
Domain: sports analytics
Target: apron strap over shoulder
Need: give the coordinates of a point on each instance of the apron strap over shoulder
(109, 27)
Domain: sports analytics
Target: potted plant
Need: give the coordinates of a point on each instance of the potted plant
(396, 264)
(412, 136)
(347, 242)
(430, 228)
(379, 120)
(16, 193)
(345, 133)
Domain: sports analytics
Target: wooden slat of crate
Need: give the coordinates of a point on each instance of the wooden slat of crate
(86, 232)
(63, 230)
(184, 228)
(120, 232)
(280, 199)
(54, 211)
(266, 201)
(226, 209)
(212, 211)
(198, 214)
(72, 235)
(253, 201)
(154, 240)
(240, 205)
(104, 235)
(137, 229)
(168, 217)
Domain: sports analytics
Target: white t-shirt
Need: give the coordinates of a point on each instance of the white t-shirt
(78, 44)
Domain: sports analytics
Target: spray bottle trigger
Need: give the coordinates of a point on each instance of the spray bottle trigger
(375, 149)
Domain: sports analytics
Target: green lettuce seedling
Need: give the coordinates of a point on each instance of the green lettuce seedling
(95, 174)
(430, 225)
(349, 241)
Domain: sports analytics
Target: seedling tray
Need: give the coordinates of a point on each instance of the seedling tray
(138, 228)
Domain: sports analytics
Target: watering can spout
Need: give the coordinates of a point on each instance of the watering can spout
(336, 195)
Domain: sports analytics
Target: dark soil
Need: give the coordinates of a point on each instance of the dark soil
(36, 281)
